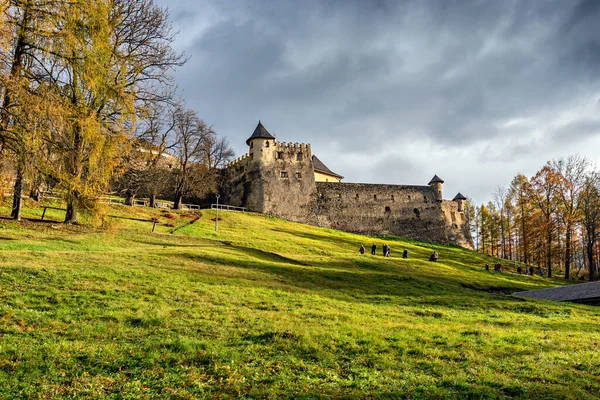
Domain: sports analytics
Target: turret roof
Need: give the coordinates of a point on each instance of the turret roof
(435, 179)
(320, 167)
(459, 196)
(260, 133)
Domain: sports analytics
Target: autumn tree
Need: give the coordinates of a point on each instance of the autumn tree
(520, 191)
(573, 171)
(589, 206)
(544, 186)
(114, 55)
(485, 222)
(500, 197)
(16, 31)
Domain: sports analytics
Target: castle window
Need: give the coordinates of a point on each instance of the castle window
(374, 197)
(425, 199)
(356, 196)
(408, 198)
(267, 143)
(279, 155)
(284, 174)
(393, 199)
(417, 213)
(388, 209)
(299, 157)
(298, 175)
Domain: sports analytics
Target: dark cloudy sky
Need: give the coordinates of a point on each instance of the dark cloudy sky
(396, 91)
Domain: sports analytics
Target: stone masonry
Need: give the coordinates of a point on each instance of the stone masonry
(278, 179)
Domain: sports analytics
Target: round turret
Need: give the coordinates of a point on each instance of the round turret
(260, 140)
(460, 200)
(436, 183)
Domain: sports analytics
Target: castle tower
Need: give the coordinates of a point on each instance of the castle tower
(260, 142)
(460, 200)
(436, 183)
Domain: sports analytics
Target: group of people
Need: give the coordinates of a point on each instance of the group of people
(387, 252)
(528, 270)
(497, 267)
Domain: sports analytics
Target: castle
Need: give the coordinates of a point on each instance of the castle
(286, 180)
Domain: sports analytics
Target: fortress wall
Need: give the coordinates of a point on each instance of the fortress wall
(279, 179)
(292, 196)
(456, 225)
(409, 211)
(234, 178)
(276, 179)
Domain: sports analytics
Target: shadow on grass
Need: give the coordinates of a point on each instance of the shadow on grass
(165, 243)
(326, 237)
(344, 280)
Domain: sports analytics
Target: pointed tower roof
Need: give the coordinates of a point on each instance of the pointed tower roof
(459, 196)
(436, 179)
(260, 133)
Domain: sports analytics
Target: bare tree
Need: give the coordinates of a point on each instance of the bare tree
(148, 161)
(192, 174)
(500, 196)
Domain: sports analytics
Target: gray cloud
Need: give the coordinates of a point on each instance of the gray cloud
(395, 91)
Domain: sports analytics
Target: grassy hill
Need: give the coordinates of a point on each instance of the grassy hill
(271, 309)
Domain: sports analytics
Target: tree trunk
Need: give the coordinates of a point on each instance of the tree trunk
(72, 210)
(153, 200)
(549, 255)
(524, 235)
(591, 259)
(129, 199)
(178, 201)
(568, 252)
(18, 194)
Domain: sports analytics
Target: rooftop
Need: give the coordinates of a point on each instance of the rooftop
(459, 196)
(260, 133)
(436, 179)
(320, 167)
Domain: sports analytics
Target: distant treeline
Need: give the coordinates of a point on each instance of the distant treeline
(88, 105)
(551, 219)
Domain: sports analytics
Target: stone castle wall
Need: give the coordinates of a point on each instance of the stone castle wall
(370, 209)
(278, 179)
(457, 229)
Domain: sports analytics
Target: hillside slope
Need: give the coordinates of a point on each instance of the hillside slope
(271, 309)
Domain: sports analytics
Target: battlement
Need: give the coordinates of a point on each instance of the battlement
(238, 161)
(292, 146)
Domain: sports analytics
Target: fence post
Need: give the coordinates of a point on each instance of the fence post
(44, 213)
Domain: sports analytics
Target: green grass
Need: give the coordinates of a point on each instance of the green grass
(270, 309)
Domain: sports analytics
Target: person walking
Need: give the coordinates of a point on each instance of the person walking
(362, 249)
(374, 249)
